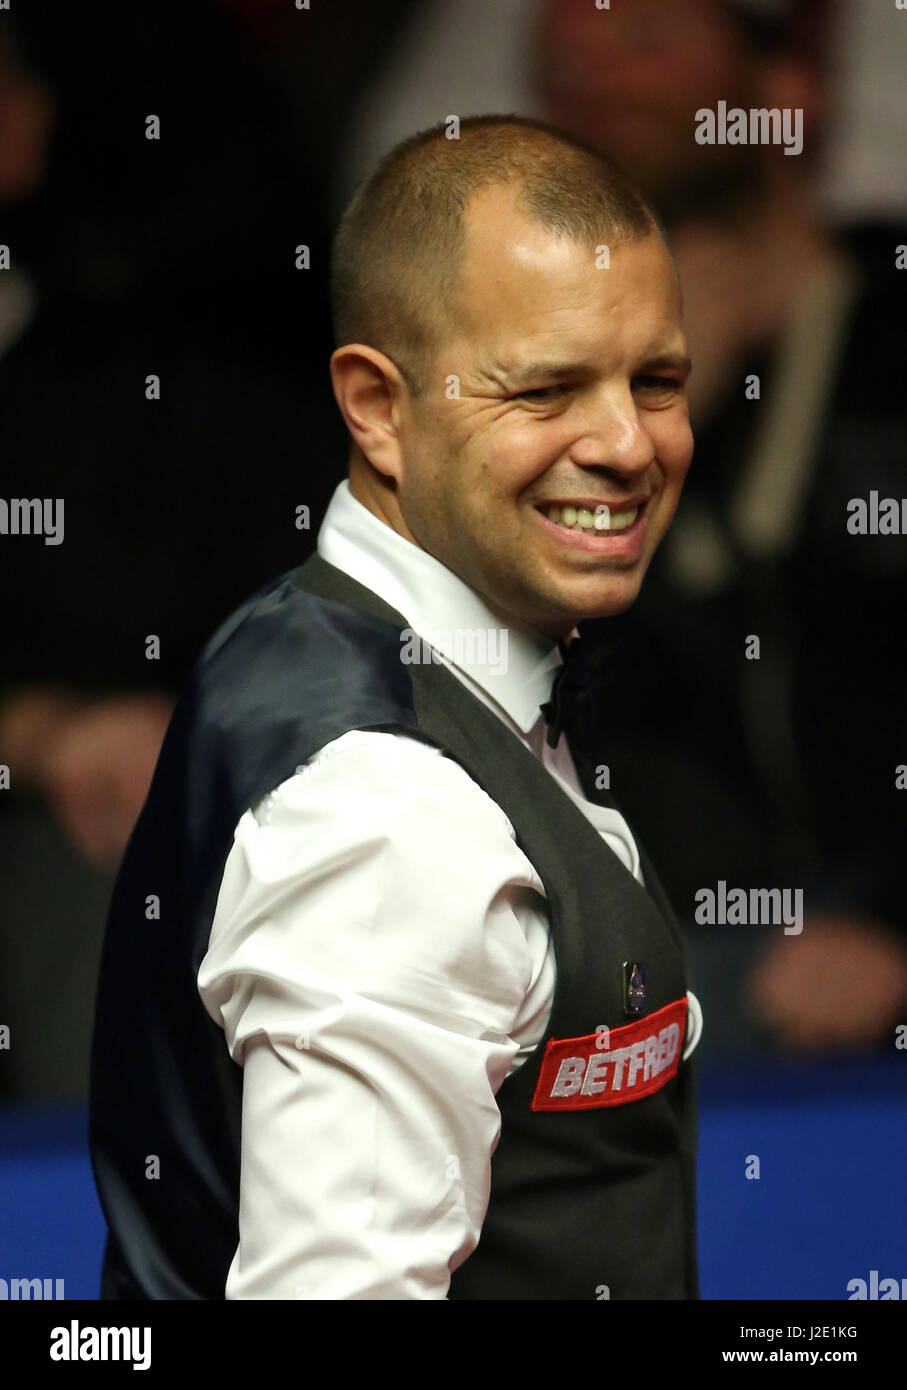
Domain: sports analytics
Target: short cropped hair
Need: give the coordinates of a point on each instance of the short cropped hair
(400, 243)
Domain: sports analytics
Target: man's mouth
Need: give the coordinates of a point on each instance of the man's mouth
(600, 519)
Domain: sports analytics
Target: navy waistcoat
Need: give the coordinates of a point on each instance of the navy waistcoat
(593, 1197)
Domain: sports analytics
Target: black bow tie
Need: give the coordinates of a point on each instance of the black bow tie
(574, 695)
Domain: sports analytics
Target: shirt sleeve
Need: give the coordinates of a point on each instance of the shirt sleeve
(369, 963)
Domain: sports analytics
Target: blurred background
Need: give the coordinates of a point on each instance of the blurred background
(125, 259)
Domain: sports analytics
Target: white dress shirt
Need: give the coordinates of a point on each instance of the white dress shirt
(380, 962)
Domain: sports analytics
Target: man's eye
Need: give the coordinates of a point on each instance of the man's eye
(657, 383)
(540, 393)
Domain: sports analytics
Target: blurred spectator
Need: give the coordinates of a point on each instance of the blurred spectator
(863, 176)
(173, 509)
(471, 57)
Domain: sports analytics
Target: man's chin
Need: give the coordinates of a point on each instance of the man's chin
(605, 605)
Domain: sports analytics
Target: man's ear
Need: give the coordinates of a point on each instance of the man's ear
(369, 391)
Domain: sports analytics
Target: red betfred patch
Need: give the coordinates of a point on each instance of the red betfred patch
(612, 1068)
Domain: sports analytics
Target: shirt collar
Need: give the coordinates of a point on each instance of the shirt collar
(441, 608)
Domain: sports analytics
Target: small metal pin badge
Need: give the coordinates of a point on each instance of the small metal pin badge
(634, 987)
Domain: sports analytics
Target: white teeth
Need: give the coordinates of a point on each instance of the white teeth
(584, 520)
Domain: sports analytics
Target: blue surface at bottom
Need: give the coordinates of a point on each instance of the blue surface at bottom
(51, 1223)
(829, 1205)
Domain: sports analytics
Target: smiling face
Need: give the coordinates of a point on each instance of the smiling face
(571, 390)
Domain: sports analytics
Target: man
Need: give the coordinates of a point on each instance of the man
(367, 885)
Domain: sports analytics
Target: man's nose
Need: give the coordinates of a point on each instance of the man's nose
(615, 438)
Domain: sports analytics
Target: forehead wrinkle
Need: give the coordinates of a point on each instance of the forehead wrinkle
(534, 345)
